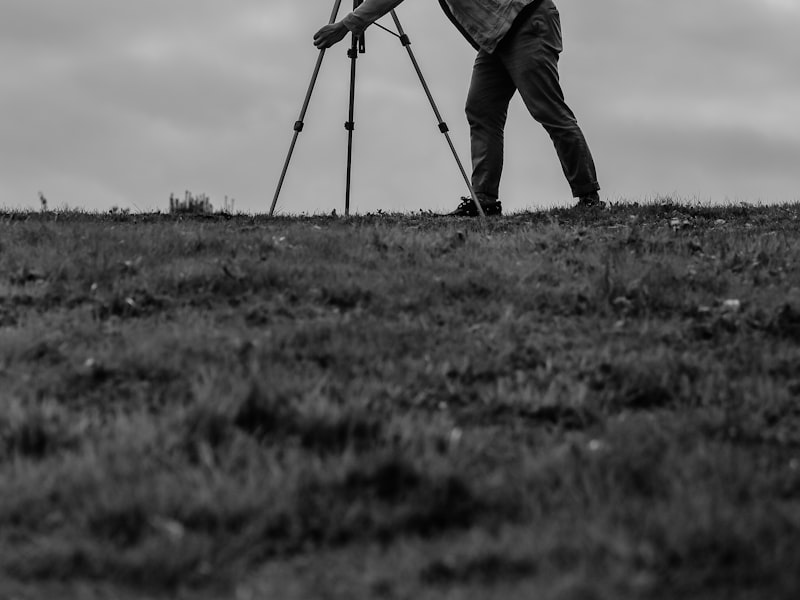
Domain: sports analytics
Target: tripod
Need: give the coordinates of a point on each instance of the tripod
(358, 46)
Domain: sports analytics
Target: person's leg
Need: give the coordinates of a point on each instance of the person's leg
(490, 92)
(531, 58)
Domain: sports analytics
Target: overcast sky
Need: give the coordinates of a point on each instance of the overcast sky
(109, 103)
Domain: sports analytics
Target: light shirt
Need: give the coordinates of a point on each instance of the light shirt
(483, 22)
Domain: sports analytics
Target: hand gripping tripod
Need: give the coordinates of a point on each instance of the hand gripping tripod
(357, 47)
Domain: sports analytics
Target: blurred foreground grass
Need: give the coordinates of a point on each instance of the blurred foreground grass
(562, 405)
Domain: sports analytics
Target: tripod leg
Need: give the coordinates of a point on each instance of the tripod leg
(404, 39)
(298, 126)
(350, 125)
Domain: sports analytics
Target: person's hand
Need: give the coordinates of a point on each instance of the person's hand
(330, 35)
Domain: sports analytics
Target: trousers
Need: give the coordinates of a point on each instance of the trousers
(526, 60)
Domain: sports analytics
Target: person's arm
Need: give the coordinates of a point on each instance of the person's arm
(356, 22)
(369, 12)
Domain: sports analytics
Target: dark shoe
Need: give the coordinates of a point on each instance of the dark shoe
(467, 208)
(591, 201)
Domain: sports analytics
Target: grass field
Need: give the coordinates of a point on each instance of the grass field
(561, 405)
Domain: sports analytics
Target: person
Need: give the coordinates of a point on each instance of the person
(518, 44)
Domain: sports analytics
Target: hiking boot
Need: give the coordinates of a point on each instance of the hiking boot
(467, 208)
(590, 201)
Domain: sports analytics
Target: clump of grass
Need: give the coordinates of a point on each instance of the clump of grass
(320, 425)
(654, 381)
(37, 431)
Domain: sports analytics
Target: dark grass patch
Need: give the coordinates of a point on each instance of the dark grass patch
(45, 352)
(36, 432)
(786, 322)
(728, 557)
(129, 305)
(347, 295)
(154, 565)
(273, 417)
(551, 416)
(389, 497)
(118, 386)
(485, 569)
(647, 382)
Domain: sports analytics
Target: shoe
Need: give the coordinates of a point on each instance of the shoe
(591, 201)
(467, 208)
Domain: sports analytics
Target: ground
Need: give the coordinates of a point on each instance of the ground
(559, 404)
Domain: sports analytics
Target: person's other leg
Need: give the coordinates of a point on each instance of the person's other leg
(531, 58)
(489, 95)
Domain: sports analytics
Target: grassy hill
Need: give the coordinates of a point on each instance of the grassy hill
(561, 404)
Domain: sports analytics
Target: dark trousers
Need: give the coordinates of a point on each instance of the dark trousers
(526, 61)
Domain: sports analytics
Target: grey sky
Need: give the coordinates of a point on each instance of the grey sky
(104, 102)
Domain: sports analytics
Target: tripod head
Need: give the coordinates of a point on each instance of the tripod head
(359, 41)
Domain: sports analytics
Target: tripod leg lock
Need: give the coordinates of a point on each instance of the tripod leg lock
(350, 125)
(405, 40)
(298, 126)
(443, 127)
